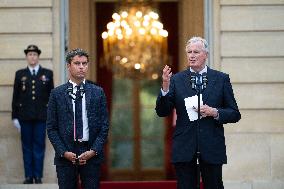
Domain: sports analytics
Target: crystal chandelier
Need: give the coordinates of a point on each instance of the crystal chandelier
(135, 43)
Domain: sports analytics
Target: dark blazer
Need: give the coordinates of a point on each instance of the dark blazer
(60, 121)
(31, 93)
(218, 94)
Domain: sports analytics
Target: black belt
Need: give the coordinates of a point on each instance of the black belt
(82, 143)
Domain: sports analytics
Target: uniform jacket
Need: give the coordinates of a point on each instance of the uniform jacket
(31, 93)
(218, 94)
(60, 121)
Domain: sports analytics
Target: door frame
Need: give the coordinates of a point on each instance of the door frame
(82, 22)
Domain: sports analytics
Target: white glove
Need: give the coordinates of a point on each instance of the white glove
(17, 124)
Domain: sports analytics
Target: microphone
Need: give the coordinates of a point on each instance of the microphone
(70, 92)
(193, 80)
(198, 81)
(78, 94)
(81, 90)
(204, 80)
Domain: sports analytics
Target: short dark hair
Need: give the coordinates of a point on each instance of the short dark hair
(71, 54)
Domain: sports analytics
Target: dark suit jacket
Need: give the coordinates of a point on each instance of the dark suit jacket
(30, 95)
(218, 94)
(60, 121)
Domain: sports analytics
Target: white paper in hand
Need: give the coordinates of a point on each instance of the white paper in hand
(191, 104)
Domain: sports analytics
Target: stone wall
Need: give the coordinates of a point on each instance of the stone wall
(249, 45)
(23, 23)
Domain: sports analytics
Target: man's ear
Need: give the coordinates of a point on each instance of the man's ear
(68, 66)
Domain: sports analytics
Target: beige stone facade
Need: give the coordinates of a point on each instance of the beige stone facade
(23, 23)
(248, 43)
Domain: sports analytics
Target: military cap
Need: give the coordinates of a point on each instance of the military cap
(32, 48)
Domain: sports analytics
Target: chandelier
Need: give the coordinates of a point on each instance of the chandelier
(135, 43)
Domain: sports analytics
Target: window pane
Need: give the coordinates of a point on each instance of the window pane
(122, 92)
(152, 129)
(152, 153)
(122, 129)
(151, 124)
(121, 122)
(121, 154)
(149, 92)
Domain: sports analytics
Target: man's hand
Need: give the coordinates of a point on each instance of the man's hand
(167, 74)
(86, 156)
(16, 124)
(206, 110)
(70, 156)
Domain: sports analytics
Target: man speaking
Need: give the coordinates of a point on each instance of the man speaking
(219, 107)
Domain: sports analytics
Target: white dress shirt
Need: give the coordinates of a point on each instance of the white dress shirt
(36, 68)
(84, 113)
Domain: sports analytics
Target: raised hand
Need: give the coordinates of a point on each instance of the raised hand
(167, 74)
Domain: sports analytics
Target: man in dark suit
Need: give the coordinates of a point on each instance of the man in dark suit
(77, 125)
(32, 87)
(219, 107)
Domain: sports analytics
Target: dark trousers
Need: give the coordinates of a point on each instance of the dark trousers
(89, 173)
(187, 175)
(33, 145)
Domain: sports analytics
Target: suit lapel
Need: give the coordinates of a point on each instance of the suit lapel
(187, 84)
(87, 95)
(28, 72)
(210, 86)
(68, 100)
(39, 72)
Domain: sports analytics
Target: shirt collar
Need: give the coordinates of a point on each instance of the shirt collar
(202, 71)
(75, 84)
(36, 68)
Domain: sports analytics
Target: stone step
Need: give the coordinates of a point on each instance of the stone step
(28, 186)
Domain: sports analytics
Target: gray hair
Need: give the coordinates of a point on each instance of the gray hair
(71, 54)
(198, 39)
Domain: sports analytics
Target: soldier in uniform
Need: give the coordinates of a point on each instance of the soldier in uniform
(32, 87)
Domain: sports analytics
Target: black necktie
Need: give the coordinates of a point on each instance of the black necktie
(78, 114)
(34, 72)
